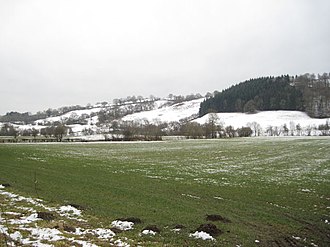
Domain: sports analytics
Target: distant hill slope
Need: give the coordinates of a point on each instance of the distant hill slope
(187, 110)
(273, 93)
(103, 112)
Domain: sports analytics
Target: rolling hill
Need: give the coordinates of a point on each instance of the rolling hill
(272, 106)
(86, 123)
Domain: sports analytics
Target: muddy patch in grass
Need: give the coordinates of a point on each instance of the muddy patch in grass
(116, 230)
(77, 206)
(284, 242)
(68, 228)
(46, 216)
(64, 227)
(217, 217)
(211, 229)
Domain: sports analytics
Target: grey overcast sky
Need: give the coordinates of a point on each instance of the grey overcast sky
(68, 52)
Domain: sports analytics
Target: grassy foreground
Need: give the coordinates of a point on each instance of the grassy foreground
(274, 190)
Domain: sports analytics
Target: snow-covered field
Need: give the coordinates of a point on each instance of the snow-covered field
(266, 119)
(279, 177)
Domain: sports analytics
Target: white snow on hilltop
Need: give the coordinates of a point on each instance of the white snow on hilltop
(173, 113)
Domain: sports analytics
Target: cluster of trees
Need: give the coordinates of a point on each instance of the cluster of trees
(139, 99)
(8, 130)
(56, 131)
(313, 80)
(62, 110)
(316, 93)
(28, 118)
(307, 92)
(325, 128)
(133, 100)
(291, 130)
(264, 94)
(180, 98)
(118, 111)
(78, 119)
(296, 130)
(193, 130)
(132, 131)
(213, 128)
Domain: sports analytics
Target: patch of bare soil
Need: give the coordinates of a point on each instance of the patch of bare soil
(209, 228)
(217, 217)
(46, 216)
(153, 228)
(315, 230)
(77, 206)
(284, 242)
(68, 228)
(116, 230)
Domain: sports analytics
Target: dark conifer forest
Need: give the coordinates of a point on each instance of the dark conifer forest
(302, 93)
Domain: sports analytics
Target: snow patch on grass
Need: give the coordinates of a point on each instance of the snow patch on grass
(69, 211)
(35, 235)
(25, 220)
(122, 225)
(191, 196)
(84, 243)
(306, 190)
(202, 235)
(148, 232)
(46, 234)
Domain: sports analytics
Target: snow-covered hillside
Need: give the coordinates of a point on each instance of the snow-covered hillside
(70, 115)
(263, 120)
(173, 113)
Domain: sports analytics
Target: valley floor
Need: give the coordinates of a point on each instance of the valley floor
(231, 192)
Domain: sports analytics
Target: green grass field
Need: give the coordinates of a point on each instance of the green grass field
(275, 190)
